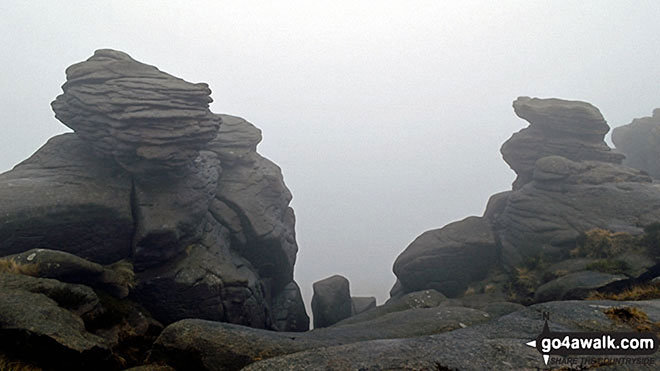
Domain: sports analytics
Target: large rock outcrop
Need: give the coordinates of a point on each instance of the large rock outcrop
(640, 142)
(569, 182)
(152, 177)
(572, 129)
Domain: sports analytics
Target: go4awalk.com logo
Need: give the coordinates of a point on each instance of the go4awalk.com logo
(551, 343)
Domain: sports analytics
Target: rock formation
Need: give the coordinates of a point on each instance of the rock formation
(640, 142)
(569, 182)
(143, 118)
(152, 176)
(449, 258)
(331, 301)
(571, 129)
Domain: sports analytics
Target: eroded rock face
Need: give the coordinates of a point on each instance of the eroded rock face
(640, 142)
(571, 129)
(146, 119)
(448, 259)
(253, 201)
(567, 198)
(65, 197)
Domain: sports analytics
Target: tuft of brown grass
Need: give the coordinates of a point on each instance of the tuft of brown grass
(11, 266)
(602, 244)
(633, 317)
(15, 365)
(634, 293)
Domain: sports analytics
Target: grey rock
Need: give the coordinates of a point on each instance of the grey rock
(496, 204)
(252, 201)
(116, 279)
(146, 119)
(51, 335)
(209, 281)
(397, 290)
(219, 346)
(66, 198)
(413, 300)
(640, 142)
(574, 285)
(170, 210)
(289, 310)
(572, 129)
(331, 301)
(500, 308)
(487, 346)
(78, 299)
(362, 304)
(546, 216)
(448, 259)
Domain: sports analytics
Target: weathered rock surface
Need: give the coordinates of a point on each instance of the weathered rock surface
(116, 279)
(361, 304)
(289, 310)
(50, 334)
(142, 117)
(170, 211)
(331, 301)
(640, 142)
(220, 346)
(567, 198)
(413, 300)
(448, 259)
(208, 282)
(78, 299)
(574, 285)
(571, 129)
(253, 202)
(487, 346)
(64, 326)
(64, 197)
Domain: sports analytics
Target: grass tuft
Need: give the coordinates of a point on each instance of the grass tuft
(11, 266)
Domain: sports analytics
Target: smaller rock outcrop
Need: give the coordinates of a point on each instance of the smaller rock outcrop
(448, 259)
(574, 285)
(640, 142)
(572, 129)
(362, 304)
(331, 301)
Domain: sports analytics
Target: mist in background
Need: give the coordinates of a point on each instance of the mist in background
(386, 117)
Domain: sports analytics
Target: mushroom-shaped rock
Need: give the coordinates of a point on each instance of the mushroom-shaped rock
(572, 129)
(145, 118)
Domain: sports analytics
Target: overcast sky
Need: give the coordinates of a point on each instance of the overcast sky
(386, 117)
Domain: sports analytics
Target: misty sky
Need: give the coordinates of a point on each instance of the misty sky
(386, 117)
